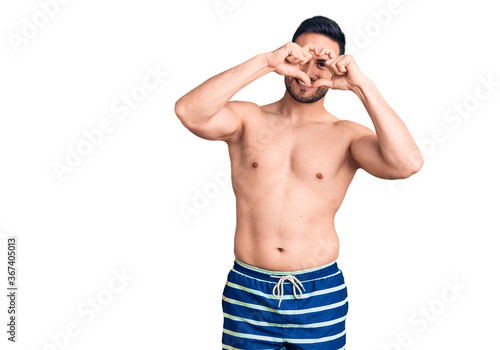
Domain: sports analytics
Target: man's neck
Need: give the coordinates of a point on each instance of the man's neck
(300, 112)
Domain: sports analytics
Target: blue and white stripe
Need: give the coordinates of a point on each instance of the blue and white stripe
(254, 321)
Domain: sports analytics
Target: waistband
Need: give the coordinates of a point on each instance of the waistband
(303, 275)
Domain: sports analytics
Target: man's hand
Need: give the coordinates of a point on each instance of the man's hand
(346, 74)
(287, 60)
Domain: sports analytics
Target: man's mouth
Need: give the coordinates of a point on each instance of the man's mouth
(302, 84)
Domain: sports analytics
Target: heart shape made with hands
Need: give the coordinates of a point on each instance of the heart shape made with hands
(337, 65)
(343, 69)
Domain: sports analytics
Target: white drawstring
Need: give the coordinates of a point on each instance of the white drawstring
(296, 283)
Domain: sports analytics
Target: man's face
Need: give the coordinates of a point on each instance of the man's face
(315, 68)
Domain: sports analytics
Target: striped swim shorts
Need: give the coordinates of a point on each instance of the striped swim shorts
(277, 310)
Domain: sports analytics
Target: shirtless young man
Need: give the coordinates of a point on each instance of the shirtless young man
(292, 162)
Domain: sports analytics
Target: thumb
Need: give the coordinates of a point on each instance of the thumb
(303, 76)
(323, 82)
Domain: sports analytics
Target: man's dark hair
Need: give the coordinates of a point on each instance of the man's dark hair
(325, 26)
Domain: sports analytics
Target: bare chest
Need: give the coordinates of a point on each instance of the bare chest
(309, 152)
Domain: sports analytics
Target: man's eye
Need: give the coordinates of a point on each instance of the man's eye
(321, 64)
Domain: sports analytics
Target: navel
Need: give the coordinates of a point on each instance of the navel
(319, 176)
(255, 164)
(281, 250)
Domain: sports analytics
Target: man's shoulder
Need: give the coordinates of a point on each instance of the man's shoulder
(243, 106)
(251, 112)
(353, 128)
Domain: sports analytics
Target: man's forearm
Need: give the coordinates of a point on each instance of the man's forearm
(396, 143)
(204, 101)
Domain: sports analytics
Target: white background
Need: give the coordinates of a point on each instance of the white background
(402, 242)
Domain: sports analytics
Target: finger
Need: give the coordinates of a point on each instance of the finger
(303, 55)
(294, 56)
(330, 53)
(320, 52)
(299, 59)
(305, 78)
(307, 51)
(291, 52)
(341, 66)
(309, 47)
(306, 56)
(323, 82)
(302, 76)
(293, 59)
(332, 66)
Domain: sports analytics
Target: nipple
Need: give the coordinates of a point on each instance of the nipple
(319, 176)
(255, 164)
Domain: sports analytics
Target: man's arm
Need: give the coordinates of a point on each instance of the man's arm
(391, 153)
(206, 110)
